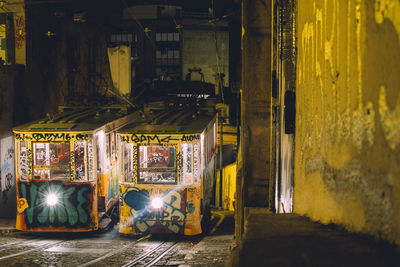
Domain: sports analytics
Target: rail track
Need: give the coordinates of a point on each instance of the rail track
(35, 249)
(148, 258)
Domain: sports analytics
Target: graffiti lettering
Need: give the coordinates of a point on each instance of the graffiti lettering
(190, 138)
(81, 137)
(72, 210)
(147, 139)
(51, 136)
(171, 218)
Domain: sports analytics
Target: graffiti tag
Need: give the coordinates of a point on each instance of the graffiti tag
(171, 217)
(148, 139)
(72, 210)
(190, 138)
(142, 138)
(51, 137)
(7, 171)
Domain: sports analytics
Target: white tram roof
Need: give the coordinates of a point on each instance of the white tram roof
(82, 118)
(171, 120)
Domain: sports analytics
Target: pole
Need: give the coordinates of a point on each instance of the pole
(221, 139)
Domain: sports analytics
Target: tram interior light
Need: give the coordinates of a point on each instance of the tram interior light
(157, 203)
(51, 199)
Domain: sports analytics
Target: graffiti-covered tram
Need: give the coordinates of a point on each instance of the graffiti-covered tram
(167, 163)
(66, 169)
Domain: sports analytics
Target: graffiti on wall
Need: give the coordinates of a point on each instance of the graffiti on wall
(72, 210)
(7, 171)
(143, 219)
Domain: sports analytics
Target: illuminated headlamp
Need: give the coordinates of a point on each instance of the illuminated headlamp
(51, 199)
(157, 203)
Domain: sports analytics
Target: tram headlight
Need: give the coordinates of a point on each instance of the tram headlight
(157, 203)
(51, 199)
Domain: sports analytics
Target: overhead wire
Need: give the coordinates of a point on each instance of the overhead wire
(139, 23)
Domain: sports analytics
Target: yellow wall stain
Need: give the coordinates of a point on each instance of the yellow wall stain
(347, 133)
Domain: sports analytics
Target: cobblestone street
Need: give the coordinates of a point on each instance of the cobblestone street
(114, 249)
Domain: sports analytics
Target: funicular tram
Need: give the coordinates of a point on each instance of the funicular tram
(167, 164)
(67, 169)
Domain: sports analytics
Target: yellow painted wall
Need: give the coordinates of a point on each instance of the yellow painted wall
(228, 187)
(347, 146)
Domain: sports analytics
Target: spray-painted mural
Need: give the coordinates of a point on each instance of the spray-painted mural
(179, 214)
(348, 110)
(55, 205)
(7, 173)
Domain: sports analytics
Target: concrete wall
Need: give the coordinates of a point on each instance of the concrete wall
(199, 51)
(347, 164)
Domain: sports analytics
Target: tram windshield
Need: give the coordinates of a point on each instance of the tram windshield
(51, 160)
(157, 165)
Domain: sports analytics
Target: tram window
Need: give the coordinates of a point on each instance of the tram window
(157, 164)
(128, 162)
(187, 173)
(48, 162)
(79, 150)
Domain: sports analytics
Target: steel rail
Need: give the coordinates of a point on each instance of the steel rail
(162, 255)
(6, 245)
(15, 242)
(114, 252)
(31, 250)
(131, 263)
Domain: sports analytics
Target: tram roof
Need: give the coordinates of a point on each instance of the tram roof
(75, 119)
(171, 120)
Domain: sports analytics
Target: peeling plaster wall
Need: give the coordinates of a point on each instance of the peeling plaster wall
(347, 164)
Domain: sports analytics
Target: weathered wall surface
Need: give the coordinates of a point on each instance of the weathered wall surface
(347, 164)
(206, 56)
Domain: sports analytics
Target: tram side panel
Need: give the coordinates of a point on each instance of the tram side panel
(56, 189)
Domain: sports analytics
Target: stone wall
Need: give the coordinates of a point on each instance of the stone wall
(347, 164)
